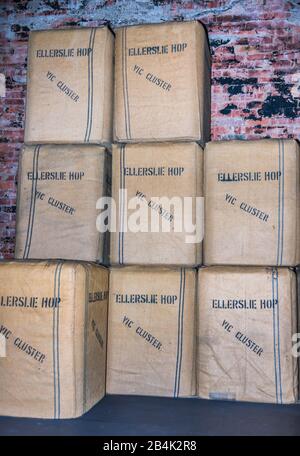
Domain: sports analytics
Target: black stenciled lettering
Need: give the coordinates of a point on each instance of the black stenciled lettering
(55, 175)
(247, 208)
(135, 299)
(140, 195)
(50, 302)
(234, 304)
(175, 171)
(127, 321)
(19, 301)
(230, 199)
(162, 212)
(47, 175)
(245, 176)
(249, 343)
(268, 303)
(61, 206)
(97, 333)
(144, 172)
(272, 175)
(83, 52)
(168, 299)
(148, 50)
(227, 326)
(64, 88)
(155, 206)
(5, 332)
(76, 175)
(138, 70)
(148, 337)
(178, 47)
(51, 76)
(40, 195)
(158, 81)
(29, 350)
(254, 211)
(55, 53)
(98, 296)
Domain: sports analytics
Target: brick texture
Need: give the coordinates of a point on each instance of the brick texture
(255, 46)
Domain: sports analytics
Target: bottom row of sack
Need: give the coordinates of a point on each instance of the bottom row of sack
(218, 333)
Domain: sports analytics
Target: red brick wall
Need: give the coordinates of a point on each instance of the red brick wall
(255, 46)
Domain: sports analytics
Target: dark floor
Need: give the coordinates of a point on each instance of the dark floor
(129, 415)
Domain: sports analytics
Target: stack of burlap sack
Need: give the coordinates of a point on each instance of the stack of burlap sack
(137, 190)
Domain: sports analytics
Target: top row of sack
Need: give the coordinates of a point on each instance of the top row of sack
(161, 87)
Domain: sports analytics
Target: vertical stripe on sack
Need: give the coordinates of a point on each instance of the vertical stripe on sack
(89, 120)
(180, 332)
(35, 164)
(55, 336)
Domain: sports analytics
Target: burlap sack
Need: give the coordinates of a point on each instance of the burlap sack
(53, 322)
(60, 220)
(246, 319)
(151, 332)
(252, 201)
(170, 172)
(162, 83)
(70, 86)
